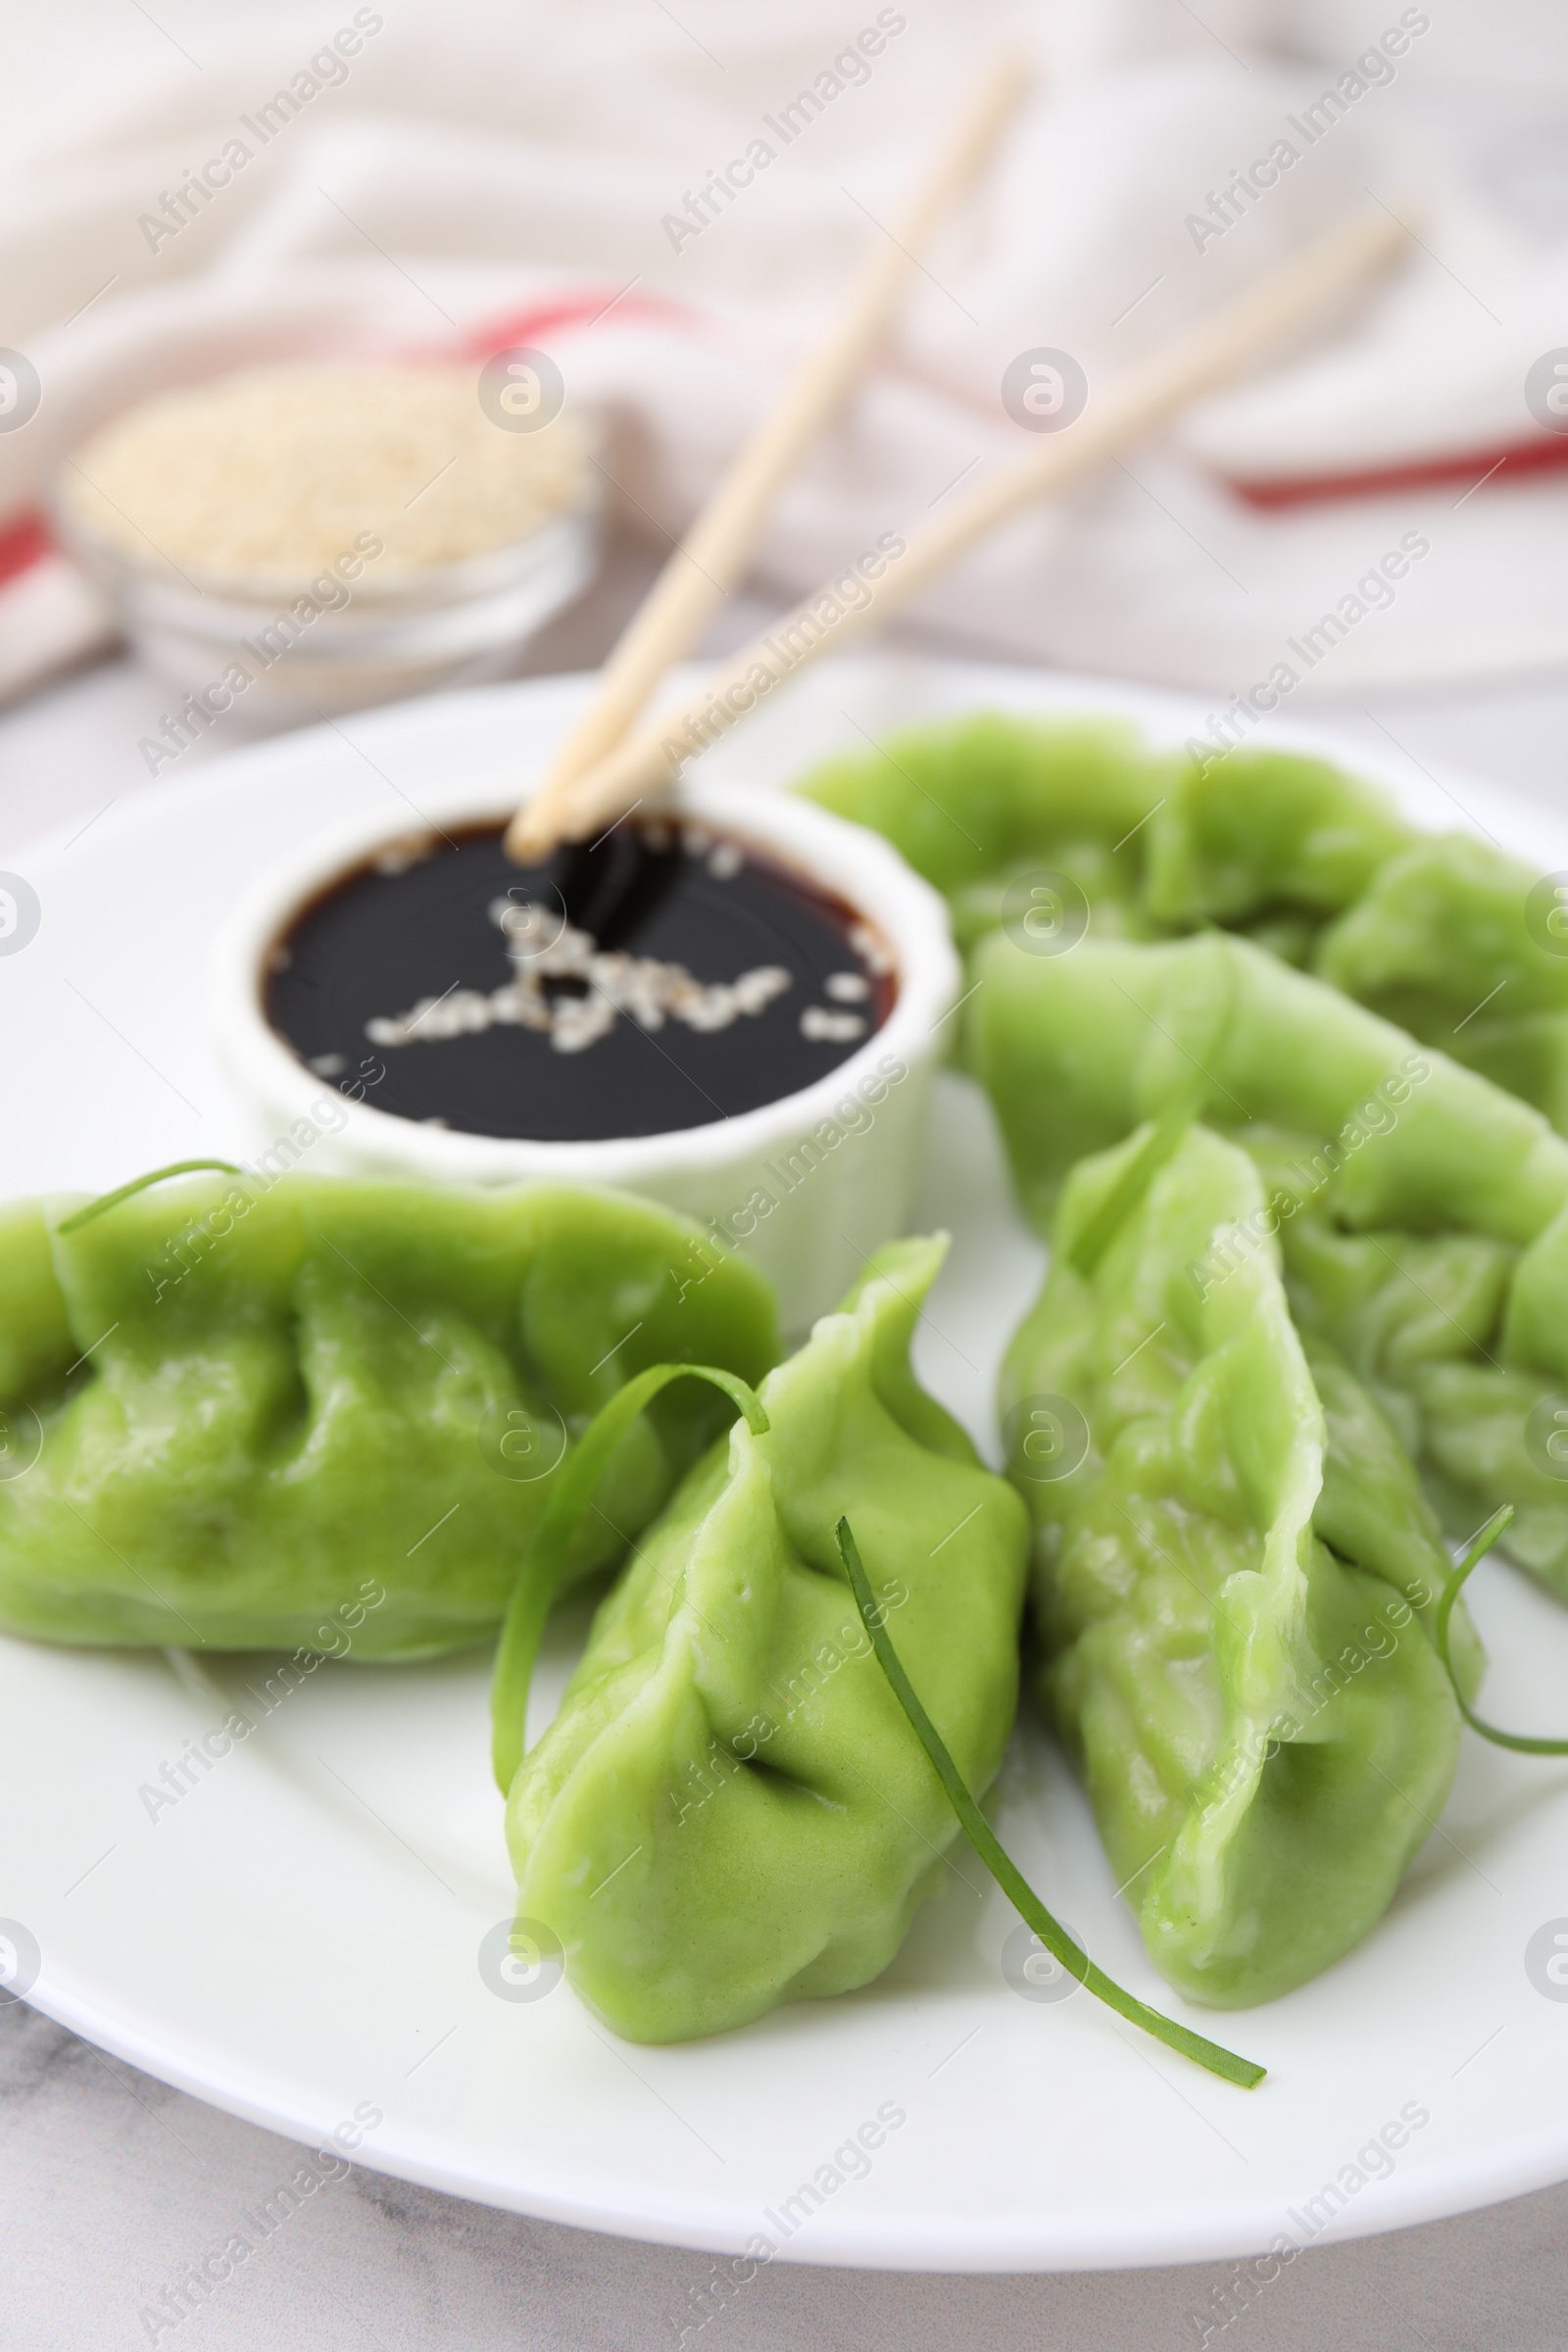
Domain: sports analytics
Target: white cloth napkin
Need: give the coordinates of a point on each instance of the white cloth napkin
(409, 179)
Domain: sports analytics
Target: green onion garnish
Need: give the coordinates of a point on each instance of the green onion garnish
(1480, 1545)
(533, 1594)
(139, 1183)
(978, 1830)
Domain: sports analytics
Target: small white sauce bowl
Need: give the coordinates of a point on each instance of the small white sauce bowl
(807, 1186)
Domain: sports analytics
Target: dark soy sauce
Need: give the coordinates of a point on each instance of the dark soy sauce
(661, 980)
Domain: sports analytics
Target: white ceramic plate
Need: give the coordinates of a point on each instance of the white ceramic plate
(299, 1935)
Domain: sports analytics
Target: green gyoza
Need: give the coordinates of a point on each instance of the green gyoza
(731, 1809)
(1468, 950)
(1234, 1577)
(1440, 933)
(1423, 1212)
(1463, 1340)
(974, 802)
(223, 1412)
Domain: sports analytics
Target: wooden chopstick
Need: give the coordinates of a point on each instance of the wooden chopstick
(1205, 355)
(719, 543)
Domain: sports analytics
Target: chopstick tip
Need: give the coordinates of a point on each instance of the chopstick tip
(528, 841)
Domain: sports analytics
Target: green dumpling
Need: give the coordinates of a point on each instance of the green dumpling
(1463, 947)
(730, 1809)
(1233, 1587)
(1423, 1212)
(1463, 1341)
(229, 1414)
(1075, 1050)
(1158, 842)
(1457, 943)
(1267, 842)
(974, 802)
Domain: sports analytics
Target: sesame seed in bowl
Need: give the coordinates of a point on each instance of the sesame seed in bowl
(320, 537)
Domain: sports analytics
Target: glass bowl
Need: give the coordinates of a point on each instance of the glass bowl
(344, 639)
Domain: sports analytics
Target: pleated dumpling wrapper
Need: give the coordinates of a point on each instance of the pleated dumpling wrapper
(1058, 826)
(731, 1809)
(329, 1413)
(1423, 1211)
(1147, 842)
(1266, 1729)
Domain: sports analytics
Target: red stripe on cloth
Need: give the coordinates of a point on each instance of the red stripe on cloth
(23, 542)
(1543, 454)
(579, 309)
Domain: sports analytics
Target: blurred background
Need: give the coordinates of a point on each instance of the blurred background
(667, 204)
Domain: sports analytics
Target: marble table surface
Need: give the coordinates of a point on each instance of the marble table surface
(111, 2183)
